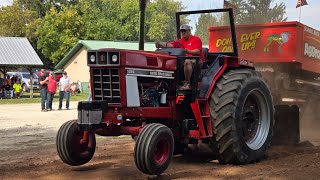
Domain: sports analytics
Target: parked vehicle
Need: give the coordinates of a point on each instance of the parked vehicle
(25, 79)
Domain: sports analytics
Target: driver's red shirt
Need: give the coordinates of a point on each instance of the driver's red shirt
(194, 42)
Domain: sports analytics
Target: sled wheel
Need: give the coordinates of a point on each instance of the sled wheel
(153, 149)
(71, 147)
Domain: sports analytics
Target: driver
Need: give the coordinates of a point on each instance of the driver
(192, 46)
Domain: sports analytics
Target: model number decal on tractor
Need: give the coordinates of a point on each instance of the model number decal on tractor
(150, 73)
(245, 63)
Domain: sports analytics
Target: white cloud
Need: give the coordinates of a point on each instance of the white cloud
(5, 2)
(308, 13)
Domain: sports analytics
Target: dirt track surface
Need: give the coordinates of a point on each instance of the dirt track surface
(27, 151)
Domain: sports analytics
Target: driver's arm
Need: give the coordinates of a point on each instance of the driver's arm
(163, 45)
(195, 52)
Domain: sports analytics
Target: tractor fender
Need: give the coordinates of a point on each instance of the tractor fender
(221, 65)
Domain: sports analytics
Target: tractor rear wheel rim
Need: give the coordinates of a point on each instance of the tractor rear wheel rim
(161, 152)
(255, 119)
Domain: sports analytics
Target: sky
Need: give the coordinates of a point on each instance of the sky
(308, 15)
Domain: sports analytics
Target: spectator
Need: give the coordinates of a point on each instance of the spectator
(1, 85)
(17, 89)
(7, 88)
(8, 80)
(1, 81)
(73, 89)
(9, 83)
(52, 88)
(65, 85)
(43, 87)
(13, 79)
(79, 87)
(89, 87)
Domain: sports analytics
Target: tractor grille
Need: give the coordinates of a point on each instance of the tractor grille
(106, 85)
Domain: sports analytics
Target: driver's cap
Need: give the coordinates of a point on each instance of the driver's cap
(185, 27)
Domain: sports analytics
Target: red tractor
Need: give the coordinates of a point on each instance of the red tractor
(135, 93)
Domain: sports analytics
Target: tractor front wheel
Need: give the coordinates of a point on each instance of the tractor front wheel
(242, 117)
(75, 147)
(153, 149)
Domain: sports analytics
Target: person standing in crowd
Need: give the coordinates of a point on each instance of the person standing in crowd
(52, 88)
(43, 87)
(89, 95)
(8, 87)
(13, 79)
(1, 87)
(17, 89)
(65, 85)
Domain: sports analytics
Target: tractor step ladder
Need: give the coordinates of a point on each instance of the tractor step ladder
(201, 112)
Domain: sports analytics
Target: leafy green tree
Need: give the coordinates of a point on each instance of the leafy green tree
(61, 28)
(101, 19)
(59, 32)
(161, 21)
(41, 7)
(14, 20)
(54, 26)
(204, 22)
(258, 11)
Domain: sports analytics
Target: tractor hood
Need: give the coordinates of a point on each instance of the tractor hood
(132, 58)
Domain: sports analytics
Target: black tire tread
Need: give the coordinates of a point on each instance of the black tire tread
(223, 104)
(64, 146)
(142, 145)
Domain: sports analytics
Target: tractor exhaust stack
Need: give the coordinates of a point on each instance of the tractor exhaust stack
(142, 7)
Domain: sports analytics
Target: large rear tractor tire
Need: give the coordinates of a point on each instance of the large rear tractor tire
(242, 116)
(153, 149)
(71, 147)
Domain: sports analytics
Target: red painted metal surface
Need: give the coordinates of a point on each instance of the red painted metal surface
(206, 115)
(271, 42)
(80, 141)
(219, 74)
(194, 134)
(85, 137)
(179, 99)
(148, 60)
(201, 111)
(162, 151)
(148, 112)
(113, 115)
(129, 130)
(123, 87)
(197, 114)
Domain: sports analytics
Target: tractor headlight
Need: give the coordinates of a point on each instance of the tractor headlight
(93, 58)
(114, 58)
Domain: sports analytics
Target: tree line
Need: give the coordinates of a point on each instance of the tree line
(53, 27)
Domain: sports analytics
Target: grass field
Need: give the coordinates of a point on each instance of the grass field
(37, 99)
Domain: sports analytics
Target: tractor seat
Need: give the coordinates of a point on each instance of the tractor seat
(205, 52)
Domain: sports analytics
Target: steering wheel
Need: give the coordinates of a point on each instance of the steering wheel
(179, 44)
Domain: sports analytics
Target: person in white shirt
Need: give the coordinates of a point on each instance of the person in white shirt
(65, 84)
